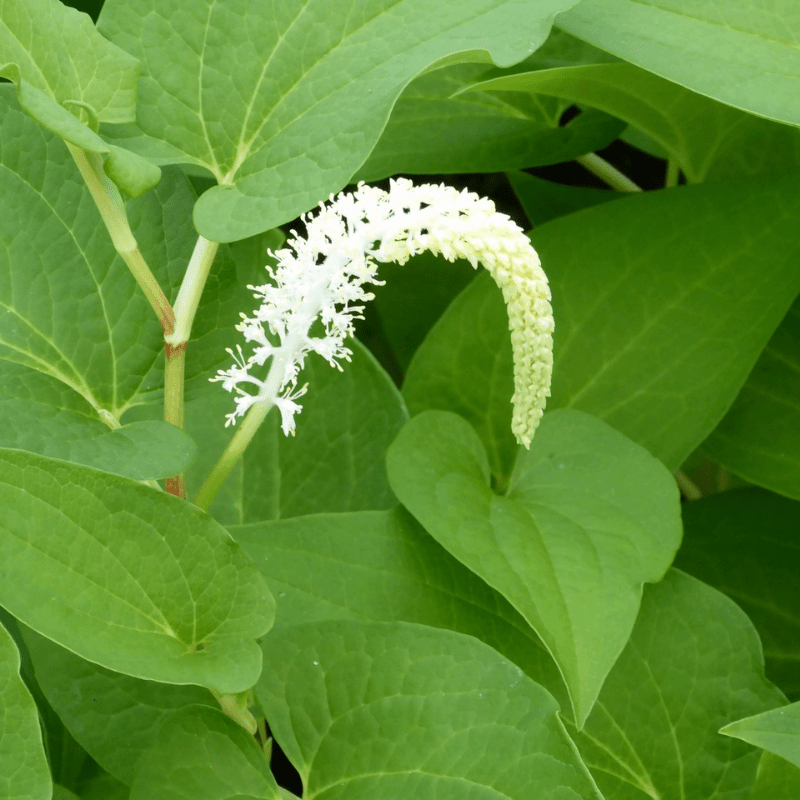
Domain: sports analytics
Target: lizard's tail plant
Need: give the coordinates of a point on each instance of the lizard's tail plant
(322, 277)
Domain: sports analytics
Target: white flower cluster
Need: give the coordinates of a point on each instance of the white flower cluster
(322, 277)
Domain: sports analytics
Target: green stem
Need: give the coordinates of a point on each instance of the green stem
(174, 371)
(673, 173)
(235, 706)
(608, 173)
(688, 487)
(233, 452)
(191, 290)
(112, 209)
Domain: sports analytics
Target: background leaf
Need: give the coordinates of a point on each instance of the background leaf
(202, 754)
(587, 519)
(128, 577)
(387, 709)
(114, 717)
(707, 139)
(383, 566)
(777, 731)
(693, 663)
(743, 53)
(776, 778)
(432, 132)
(758, 438)
(744, 543)
(24, 772)
(279, 131)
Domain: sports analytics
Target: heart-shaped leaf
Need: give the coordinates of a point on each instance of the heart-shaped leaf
(588, 518)
(127, 576)
(282, 104)
(23, 765)
(392, 710)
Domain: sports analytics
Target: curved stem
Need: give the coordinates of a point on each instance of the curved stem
(673, 173)
(233, 452)
(191, 290)
(112, 209)
(608, 173)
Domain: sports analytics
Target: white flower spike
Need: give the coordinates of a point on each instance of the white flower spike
(322, 277)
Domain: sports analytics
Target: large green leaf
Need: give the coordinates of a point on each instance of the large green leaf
(588, 518)
(335, 462)
(114, 717)
(432, 132)
(383, 566)
(744, 543)
(392, 710)
(201, 754)
(706, 138)
(742, 52)
(777, 731)
(759, 438)
(693, 663)
(24, 774)
(282, 103)
(128, 577)
(649, 294)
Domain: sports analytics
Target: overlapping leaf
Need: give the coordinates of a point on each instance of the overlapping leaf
(383, 566)
(706, 138)
(282, 103)
(202, 754)
(114, 717)
(759, 437)
(744, 543)
(23, 766)
(389, 710)
(430, 131)
(128, 577)
(692, 665)
(742, 52)
(588, 518)
(776, 730)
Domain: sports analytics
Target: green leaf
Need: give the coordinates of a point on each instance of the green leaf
(777, 731)
(24, 774)
(114, 717)
(744, 543)
(393, 710)
(104, 787)
(432, 132)
(60, 793)
(588, 518)
(776, 778)
(335, 462)
(743, 53)
(128, 577)
(759, 438)
(58, 51)
(383, 566)
(69, 79)
(649, 293)
(707, 139)
(693, 663)
(51, 419)
(544, 200)
(465, 366)
(283, 104)
(200, 753)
